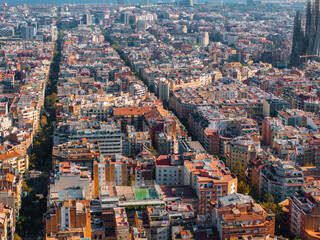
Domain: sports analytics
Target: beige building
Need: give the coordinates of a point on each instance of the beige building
(121, 223)
(241, 150)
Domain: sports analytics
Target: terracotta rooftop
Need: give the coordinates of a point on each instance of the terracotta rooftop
(131, 111)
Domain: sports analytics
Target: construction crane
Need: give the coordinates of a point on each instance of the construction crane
(308, 55)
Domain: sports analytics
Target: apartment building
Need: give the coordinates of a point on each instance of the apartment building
(185, 101)
(158, 223)
(110, 170)
(247, 126)
(180, 213)
(179, 194)
(130, 116)
(107, 135)
(184, 232)
(69, 180)
(241, 149)
(210, 179)
(11, 182)
(270, 127)
(136, 141)
(271, 106)
(70, 218)
(7, 222)
(280, 178)
(164, 143)
(80, 152)
(169, 170)
(121, 223)
(304, 210)
(249, 218)
(144, 172)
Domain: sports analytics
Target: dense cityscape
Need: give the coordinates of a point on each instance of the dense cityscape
(169, 120)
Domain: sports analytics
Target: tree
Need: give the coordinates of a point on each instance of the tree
(25, 186)
(43, 121)
(17, 237)
(239, 170)
(153, 151)
(269, 204)
(50, 101)
(309, 164)
(244, 188)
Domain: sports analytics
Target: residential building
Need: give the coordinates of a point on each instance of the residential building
(108, 136)
(304, 213)
(271, 106)
(80, 152)
(169, 170)
(7, 223)
(110, 170)
(121, 223)
(70, 218)
(242, 216)
(159, 222)
(281, 179)
(210, 179)
(241, 150)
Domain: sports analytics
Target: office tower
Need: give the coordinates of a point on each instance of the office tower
(87, 19)
(126, 19)
(204, 38)
(141, 26)
(298, 41)
(28, 32)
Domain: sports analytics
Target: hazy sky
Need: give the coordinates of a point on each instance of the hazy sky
(59, 2)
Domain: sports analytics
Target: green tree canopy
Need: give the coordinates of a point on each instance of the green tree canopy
(244, 188)
(239, 170)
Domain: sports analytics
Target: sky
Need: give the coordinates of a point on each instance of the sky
(59, 2)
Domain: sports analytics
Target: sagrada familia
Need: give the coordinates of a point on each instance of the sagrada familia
(306, 42)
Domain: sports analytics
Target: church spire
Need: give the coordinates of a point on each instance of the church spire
(309, 25)
(316, 8)
(298, 41)
(316, 45)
